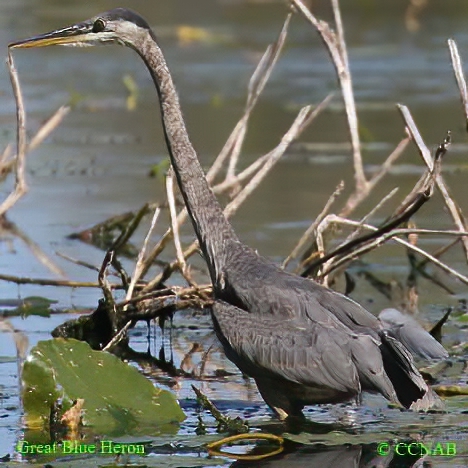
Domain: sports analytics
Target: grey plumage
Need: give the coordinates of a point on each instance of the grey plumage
(411, 334)
(302, 343)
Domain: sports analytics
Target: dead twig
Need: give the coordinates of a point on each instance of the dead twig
(372, 212)
(7, 163)
(78, 262)
(391, 224)
(18, 162)
(391, 235)
(8, 227)
(141, 255)
(306, 115)
(118, 337)
(336, 47)
(50, 124)
(439, 252)
(420, 194)
(451, 205)
(20, 181)
(102, 278)
(111, 259)
(182, 264)
(257, 83)
(51, 282)
(311, 229)
(459, 76)
(322, 225)
(360, 195)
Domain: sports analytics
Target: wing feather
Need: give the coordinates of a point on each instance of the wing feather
(315, 356)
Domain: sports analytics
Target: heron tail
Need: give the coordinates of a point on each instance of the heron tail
(411, 389)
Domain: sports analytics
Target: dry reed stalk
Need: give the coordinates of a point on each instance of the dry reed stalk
(457, 66)
(18, 162)
(20, 182)
(312, 228)
(174, 225)
(392, 235)
(336, 47)
(257, 83)
(420, 194)
(359, 196)
(51, 282)
(137, 271)
(425, 153)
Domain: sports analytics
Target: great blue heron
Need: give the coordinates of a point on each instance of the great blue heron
(301, 342)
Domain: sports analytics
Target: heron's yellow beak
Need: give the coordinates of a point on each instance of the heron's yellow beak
(76, 35)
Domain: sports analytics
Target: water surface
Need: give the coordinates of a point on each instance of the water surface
(96, 164)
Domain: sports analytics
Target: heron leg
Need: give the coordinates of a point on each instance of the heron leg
(278, 400)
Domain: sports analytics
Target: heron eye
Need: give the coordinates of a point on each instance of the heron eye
(99, 25)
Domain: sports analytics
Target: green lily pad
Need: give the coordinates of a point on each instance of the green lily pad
(337, 438)
(117, 398)
(32, 305)
(160, 461)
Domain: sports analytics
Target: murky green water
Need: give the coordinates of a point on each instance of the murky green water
(96, 164)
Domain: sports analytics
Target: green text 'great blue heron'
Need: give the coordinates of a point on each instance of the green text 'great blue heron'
(301, 342)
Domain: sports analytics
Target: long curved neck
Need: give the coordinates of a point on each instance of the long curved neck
(211, 226)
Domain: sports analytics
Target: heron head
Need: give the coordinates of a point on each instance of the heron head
(121, 26)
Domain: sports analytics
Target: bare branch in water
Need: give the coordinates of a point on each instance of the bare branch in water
(78, 262)
(306, 114)
(8, 163)
(336, 47)
(17, 165)
(50, 125)
(119, 336)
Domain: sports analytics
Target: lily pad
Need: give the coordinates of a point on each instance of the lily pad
(160, 461)
(33, 305)
(337, 438)
(117, 398)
